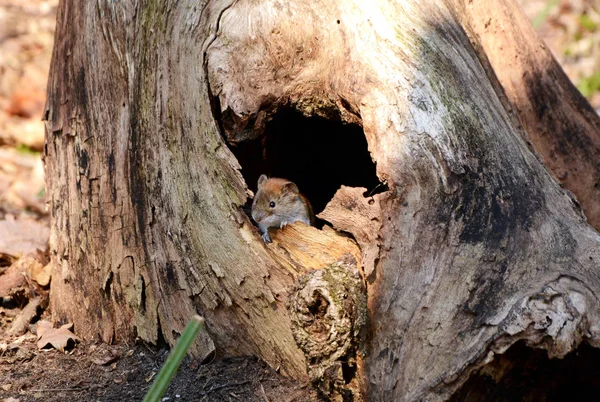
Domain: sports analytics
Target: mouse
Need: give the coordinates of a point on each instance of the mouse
(277, 203)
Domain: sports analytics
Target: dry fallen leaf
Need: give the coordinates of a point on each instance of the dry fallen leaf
(59, 338)
(40, 274)
(43, 326)
(26, 103)
(7, 387)
(12, 281)
(21, 355)
(23, 236)
(106, 358)
(21, 322)
(22, 173)
(11, 399)
(150, 377)
(20, 340)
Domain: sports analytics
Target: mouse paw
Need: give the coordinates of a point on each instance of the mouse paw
(266, 238)
(283, 224)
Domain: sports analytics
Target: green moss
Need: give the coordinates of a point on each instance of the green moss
(153, 19)
(589, 85)
(26, 150)
(587, 23)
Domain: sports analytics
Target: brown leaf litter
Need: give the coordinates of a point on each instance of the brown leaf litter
(59, 338)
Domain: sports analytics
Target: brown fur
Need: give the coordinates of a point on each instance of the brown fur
(289, 205)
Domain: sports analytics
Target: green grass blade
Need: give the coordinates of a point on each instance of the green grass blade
(168, 370)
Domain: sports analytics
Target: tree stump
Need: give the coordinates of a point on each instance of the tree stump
(438, 222)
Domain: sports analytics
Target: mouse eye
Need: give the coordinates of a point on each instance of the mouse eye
(272, 204)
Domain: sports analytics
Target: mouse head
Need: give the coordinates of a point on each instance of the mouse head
(275, 198)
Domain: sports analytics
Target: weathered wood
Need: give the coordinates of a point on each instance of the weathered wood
(475, 229)
(352, 212)
(301, 248)
(328, 308)
(475, 246)
(145, 195)
(560, 124)
(146, 198)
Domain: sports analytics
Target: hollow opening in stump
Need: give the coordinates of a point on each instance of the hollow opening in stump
(527, 374)
(318, 154)
(319, 305)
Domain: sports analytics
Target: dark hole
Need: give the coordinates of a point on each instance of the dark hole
(108, 286)
(318, 306)
(5, 260)
(161, 342)
(348, 371)
(347, 395)
(11, 302)
(318, 154)
(142, 306)
(208, 359)
(526, 374)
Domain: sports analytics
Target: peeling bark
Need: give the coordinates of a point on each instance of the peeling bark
(472, 247)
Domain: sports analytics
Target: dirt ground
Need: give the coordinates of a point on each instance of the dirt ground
(99, 372)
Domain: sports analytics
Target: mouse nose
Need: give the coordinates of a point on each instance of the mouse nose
(258, 216)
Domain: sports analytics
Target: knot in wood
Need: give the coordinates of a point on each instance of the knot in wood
(328, 308)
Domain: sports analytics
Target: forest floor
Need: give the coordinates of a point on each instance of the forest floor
(88, 371)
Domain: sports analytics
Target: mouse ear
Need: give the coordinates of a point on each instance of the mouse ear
(290, 187)
(262, 179)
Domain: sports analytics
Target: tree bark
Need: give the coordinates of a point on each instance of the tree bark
(559, 123)
(472, 247)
